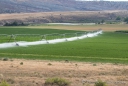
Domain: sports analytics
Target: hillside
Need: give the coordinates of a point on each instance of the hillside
(63, 17)
(18, 6)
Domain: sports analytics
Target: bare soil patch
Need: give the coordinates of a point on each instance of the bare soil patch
(35, 72)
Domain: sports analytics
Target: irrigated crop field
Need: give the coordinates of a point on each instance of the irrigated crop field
(109, 47)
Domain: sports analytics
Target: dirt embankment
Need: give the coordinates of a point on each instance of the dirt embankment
(35, 72)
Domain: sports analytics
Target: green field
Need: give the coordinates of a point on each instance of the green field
(109, 47)
(25, 34)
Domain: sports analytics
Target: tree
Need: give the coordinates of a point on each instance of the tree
(102, 21)
(118, 18)
(6, 24)
(126, 20)
(15, 23)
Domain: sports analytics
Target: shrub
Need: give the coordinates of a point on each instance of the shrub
(118, 18)
(57, 82)
(15, 23)
(94, 65)
(4, 83)
(5, 59)
(100, 83)
(126, 20)
(66, 61)
(21, 63)
(49, 64)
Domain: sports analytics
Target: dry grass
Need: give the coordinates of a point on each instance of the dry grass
(86, 28)
(46, 15)
(41, 14)
(35, 72)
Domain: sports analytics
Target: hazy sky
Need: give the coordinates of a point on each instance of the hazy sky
(116, 0)
(104, 0)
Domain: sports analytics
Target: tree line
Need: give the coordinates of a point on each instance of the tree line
(15, 24)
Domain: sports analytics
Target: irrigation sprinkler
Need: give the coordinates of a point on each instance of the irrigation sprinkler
(80, 34)
(43, 37)
(27, 37)
(14, 38)
(87, 33)
(56, 35)
(77, 35)
(46, 39)
(100, 31)
(10, 38)
(65, 37)
(51, 36)
(17, 44)
(61, 35)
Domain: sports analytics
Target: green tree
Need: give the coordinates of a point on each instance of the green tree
(6, 24)
(118, 18)
(14, 23)
(126, 20)
(102, 21)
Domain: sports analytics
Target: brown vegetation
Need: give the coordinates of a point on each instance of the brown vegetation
(36, 72)
(61, 17)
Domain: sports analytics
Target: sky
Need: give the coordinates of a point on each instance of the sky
(103, 0)
(115, 0)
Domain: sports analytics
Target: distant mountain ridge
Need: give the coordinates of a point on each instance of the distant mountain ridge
(18, 6)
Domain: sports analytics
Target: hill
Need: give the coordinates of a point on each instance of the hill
(18, 6)
(64, 17)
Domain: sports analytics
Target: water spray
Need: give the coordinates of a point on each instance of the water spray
(76, 35)
(65, 37)
(46, 39)
(56, 38)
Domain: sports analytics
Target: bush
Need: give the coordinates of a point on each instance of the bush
(5, 59)
(57, 82)
(126, 20)
(4, 83)
(118, 18)
(21, 63)
(49, 64)
(100, 83)
(15, 23)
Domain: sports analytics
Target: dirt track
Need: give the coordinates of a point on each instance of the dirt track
(35, 72)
